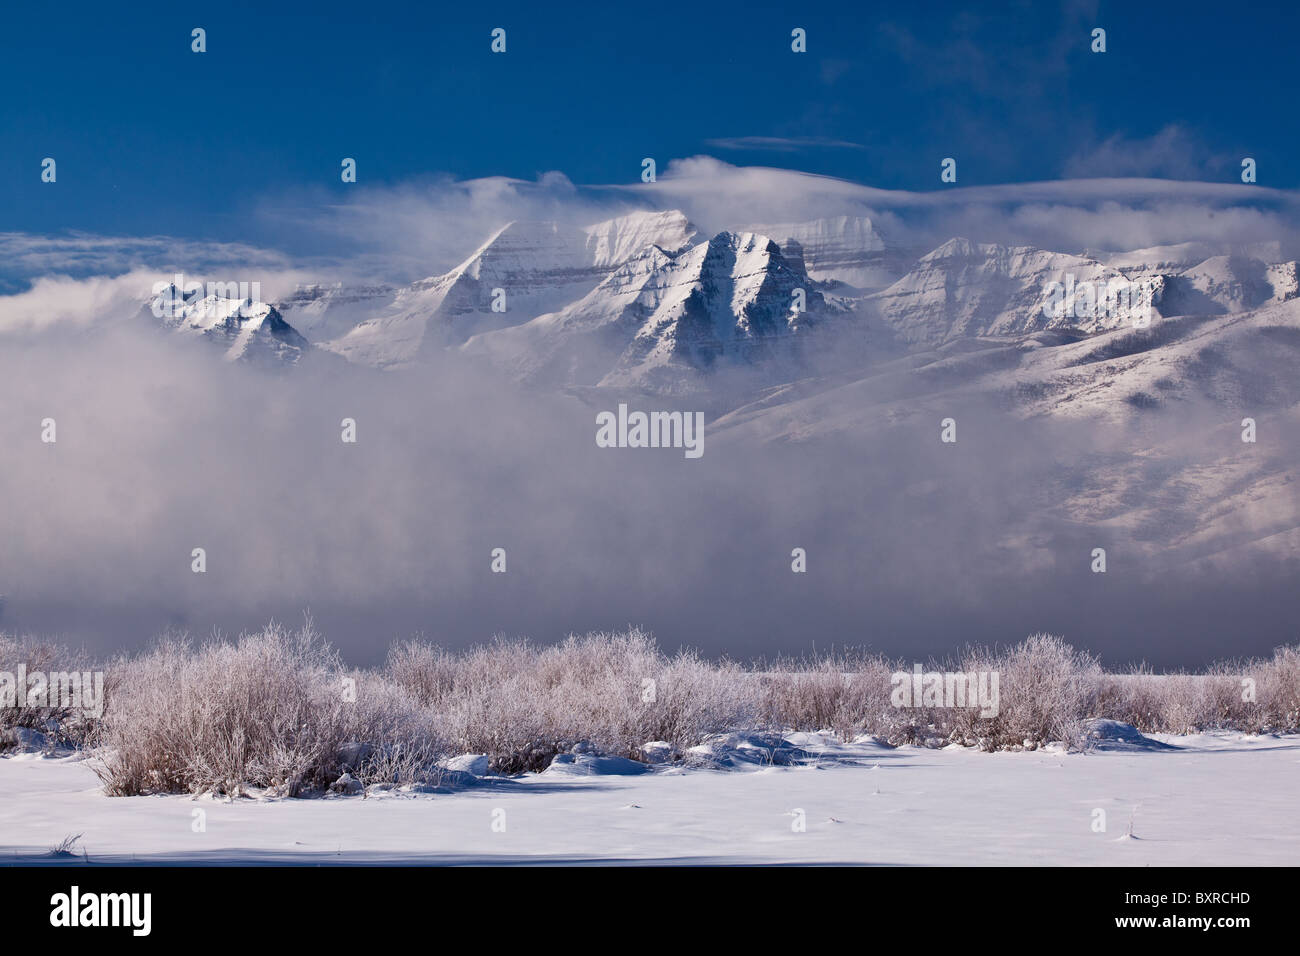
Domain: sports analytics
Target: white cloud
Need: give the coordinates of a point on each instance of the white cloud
(1172, 153)
(424, 228)
(27, 255)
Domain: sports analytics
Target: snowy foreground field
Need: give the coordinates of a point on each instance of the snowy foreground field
(1208, 799)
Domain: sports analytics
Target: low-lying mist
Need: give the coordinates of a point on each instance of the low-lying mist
(913, 547)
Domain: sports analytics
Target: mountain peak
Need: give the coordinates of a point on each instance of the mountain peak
(845, 249)
(246, 329)
(959, 248)
(965, 288)
(614, 241)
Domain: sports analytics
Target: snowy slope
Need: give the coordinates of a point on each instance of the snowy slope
(1234, 364)
(611, 243)
(322, 313)
(539, 266)
(966, 289)
(1180, 484)
(1225, 284)
(581, 342)
(1183, 255)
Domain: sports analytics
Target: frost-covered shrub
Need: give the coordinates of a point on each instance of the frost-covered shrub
(57, 725)
(522, 704)
(269, 710)
(1254, 696)
(279, 710)
(1278, 688)
(1046, 689)
(846, 693)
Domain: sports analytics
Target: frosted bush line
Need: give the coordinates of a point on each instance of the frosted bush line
(279, 711)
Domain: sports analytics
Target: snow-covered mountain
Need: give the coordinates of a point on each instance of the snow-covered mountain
(523, 270)
(845, 249)
(1229, 283)
(965, 289)
(324, 312)
(663, 318)
(1183, 255)
(731, 299)
(643, 301)
(245, 330)
(780, 339)
(1166, 407)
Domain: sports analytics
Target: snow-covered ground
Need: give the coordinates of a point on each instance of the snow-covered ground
(1211, 799)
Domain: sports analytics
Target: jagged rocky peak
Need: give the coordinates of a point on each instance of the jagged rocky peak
(730, 300)
(246, 329)
(663, 317)
(748, 275)
(847, 249)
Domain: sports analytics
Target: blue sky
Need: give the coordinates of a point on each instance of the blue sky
(151, 138)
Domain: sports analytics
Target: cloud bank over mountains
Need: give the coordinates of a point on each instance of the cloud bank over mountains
(421, 228)
(476, 426)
